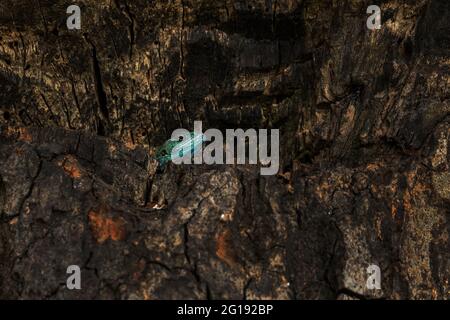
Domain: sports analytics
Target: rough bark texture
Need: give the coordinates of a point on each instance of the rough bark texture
(364, 176)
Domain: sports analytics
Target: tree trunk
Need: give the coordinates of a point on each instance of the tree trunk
(364, 175)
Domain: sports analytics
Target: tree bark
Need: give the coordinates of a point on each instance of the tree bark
(364, 175)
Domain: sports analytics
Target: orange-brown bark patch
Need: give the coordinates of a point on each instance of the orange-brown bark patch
(71, 167)
(224, 248)
(24, 135)
(104, 227)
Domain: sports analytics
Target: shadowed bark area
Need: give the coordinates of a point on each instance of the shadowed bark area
(364, 174)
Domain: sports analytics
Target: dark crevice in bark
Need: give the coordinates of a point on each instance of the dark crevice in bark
(100, 93)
